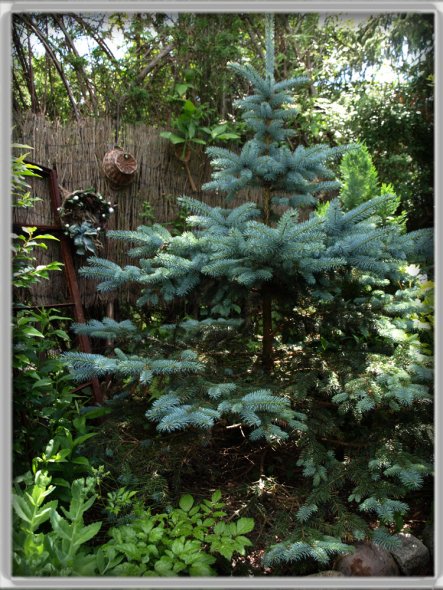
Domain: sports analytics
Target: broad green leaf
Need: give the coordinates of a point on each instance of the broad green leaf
(61, 334)
(181, 89)
(194, 511)
(42, 383)
(39, 494)
(219, 528)
(102, 561)
(191, 130)
(152, 550)
(29, 331)
(218, 129)
(186, 502)
(155, 535)
(127, 569)
(226, 551)
(60, 456)
(44, 514)
(84, 565)
(229, 135)
(178, 547)
(164, 567)
(216, 496)
(61, 526)
(241, 541)
(199, 534)
(83, 438)
(58, 317)
(129, 549)
(86, 533)
(232, 528)
(79, 423)
(22, 508)
(88, 503)
(176, 139)
(60, 482)
(244, 525)
(46, 237)
(24, 146)
(81, 461)
(23, 320)
(219, 513)
(201, 569)
(93, 412)
(189, 107)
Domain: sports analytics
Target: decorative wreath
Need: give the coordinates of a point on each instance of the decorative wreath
(84, 214)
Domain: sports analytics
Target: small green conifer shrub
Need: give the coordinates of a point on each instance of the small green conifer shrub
(359, 178)
(360, 183)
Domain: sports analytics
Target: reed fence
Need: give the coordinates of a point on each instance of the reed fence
(76, 150)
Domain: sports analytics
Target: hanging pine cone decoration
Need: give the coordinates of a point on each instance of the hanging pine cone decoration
(119, 168)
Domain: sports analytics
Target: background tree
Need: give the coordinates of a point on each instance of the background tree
(348, 99)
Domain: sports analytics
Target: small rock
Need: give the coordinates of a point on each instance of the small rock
(412, 556)
(428, 538)
(367, 560)
(327, 573)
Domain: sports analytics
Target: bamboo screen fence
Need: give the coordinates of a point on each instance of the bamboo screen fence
(77, 151)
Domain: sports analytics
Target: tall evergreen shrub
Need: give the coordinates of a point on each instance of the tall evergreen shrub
(359, 178)
(360, 183)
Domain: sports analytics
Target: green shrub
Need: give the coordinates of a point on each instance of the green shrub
(359, 178)
(184, 541)
(45, 542)
(360, 183)
(53, 541)
(21, 196)
(42, 389)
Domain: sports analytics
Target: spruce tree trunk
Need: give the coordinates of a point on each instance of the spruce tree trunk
(267, 342)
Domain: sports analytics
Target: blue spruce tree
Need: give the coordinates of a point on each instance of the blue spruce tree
(348, 312)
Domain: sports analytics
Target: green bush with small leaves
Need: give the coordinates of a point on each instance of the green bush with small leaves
(183, 541)
(53, 540)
